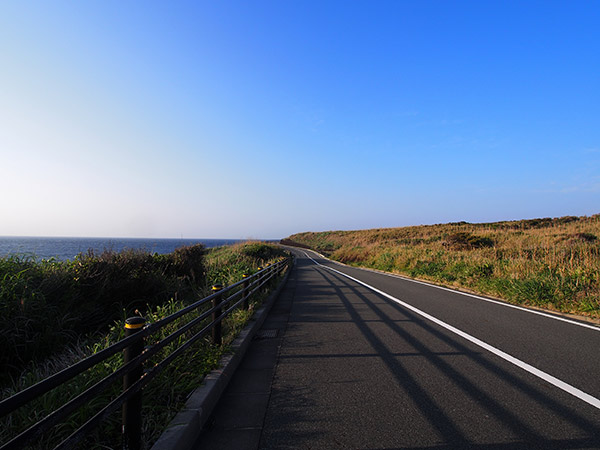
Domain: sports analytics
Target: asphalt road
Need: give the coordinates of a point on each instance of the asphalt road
(376, 361)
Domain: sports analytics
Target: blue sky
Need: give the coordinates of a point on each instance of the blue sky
(262, 119)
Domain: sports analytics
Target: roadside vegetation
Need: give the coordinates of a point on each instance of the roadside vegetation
(551, 263)
(56, 313)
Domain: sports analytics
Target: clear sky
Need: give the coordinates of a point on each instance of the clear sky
(259, 119)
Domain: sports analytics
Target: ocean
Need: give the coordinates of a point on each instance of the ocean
(67, 248)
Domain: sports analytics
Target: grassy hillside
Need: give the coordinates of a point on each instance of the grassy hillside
(550, 263)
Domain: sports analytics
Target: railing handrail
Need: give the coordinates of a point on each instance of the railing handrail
(251, 284)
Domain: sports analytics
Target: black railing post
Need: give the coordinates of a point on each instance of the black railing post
(269, 271)
(132, 408)
(245, 291)
(217, 338)
(259, 278)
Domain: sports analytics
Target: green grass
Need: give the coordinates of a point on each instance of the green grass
(165, 395)
(45, 305)
(548, 263)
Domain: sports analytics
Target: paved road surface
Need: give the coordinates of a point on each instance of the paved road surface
(360, 368)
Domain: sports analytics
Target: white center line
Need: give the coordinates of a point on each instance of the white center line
(511, 359)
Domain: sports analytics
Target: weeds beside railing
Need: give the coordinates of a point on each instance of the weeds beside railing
(209, 313)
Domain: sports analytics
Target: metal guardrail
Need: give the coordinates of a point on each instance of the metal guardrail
(132, 371)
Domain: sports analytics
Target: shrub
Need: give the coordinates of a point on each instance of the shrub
(46, 304)
(465, 240)
(586, 237)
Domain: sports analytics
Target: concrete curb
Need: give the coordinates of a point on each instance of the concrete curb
(187, 425)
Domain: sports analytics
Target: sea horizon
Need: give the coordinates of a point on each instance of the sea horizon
(64, 248)
(126, 237)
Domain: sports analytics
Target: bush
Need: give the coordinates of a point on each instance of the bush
(464, 240)
(586, 237)
(44, 305)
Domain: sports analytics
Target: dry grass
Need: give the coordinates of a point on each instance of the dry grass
(551, 263)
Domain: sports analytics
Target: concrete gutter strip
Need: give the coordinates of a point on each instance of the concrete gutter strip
(187, 425)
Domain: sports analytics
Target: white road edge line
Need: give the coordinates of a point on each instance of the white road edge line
(511, 359)
(466, 294)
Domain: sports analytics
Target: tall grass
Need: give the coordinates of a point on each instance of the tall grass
(165, 395)
(549, 263)
(46, 305)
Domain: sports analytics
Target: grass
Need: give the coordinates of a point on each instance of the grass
(552, 263)
(165, 395)
(46, 305)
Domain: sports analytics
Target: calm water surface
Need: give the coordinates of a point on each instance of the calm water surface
(67, 248)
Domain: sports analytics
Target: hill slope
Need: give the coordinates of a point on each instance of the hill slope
(550, 263)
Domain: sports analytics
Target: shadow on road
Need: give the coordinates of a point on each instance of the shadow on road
(527, 432)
